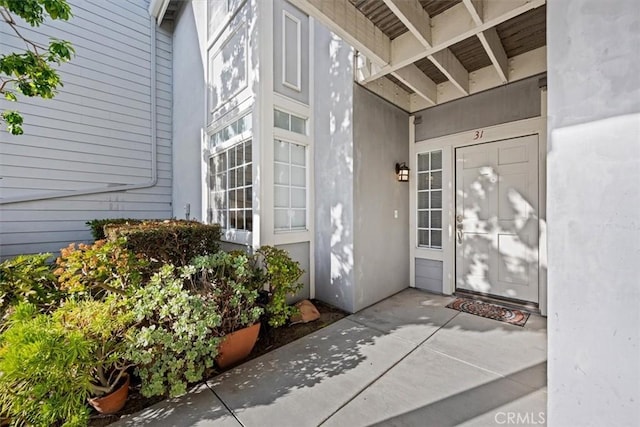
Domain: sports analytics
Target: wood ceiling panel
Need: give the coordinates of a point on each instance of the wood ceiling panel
(399, 83)
(436, 7)
(381, 16)
(471, 54)
(524, 32)
(427, 67)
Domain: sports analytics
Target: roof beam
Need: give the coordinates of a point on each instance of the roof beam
(414, 17)
(492, 44)
(418, 81)
(475, 8)
(447, 62)
(450, 27)
(342, 17)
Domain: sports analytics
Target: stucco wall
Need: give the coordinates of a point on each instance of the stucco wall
(508, 103)
(593, 205)
(381, 244)
(333, 157)
(189, 38)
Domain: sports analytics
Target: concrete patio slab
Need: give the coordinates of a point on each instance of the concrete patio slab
(303, 383)
(412, 314)
(496, 346)
(200, 407)
(430, 389)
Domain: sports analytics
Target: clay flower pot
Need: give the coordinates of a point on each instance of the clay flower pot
(114, 401)
(237, 345)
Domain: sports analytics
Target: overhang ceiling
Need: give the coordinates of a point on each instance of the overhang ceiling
(421, 53)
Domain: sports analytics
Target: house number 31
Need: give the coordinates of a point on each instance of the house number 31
(478, 134)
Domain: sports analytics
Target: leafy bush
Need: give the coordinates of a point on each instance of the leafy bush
(229, 279)
(281, 274)
(168, 242)
(175, 338)
(27, 278)
(103, 266)
(103, 324)
(45, 376)
(97, 225)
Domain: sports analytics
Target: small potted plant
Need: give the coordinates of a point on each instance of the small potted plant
(104, 324)
(229, 279)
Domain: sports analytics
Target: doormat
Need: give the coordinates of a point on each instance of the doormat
(490, 311)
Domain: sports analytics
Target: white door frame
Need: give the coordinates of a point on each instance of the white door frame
(448, 144)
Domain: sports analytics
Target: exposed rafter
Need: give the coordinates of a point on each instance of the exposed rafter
(415, 79)
(414, 17)
(449, 28)
(447, 62)
(475, 8)
(341, 17)
(493, 46)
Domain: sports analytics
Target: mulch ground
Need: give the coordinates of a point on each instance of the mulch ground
(269, 340)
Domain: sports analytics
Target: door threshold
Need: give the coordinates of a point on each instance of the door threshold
(506, 302)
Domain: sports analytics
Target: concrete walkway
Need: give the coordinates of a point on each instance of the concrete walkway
(406, 361)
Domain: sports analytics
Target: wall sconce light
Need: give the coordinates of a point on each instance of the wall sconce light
(402, 171)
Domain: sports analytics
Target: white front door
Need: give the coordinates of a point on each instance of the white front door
(496, 224)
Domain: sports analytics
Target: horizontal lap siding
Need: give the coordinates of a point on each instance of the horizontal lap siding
(429, 275)
(95, 133)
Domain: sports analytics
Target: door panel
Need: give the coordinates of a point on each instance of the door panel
(497, 218)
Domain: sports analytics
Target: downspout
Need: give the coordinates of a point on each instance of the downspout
(118, 187)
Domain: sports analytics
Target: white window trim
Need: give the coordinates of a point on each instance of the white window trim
(295, 231)
(297, 87)
(241, 137)
(214, 53)
(415, 195)
(232, 235)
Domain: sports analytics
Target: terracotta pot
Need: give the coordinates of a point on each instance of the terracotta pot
(114, 401)
(237, 345)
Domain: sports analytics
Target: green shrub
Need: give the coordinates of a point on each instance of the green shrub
(175, 338)
(103, 266)
(103, 324)
(27, 278)
(229, 279)
(281, 274)
(168, 242)
(97, 225)
(45, 376)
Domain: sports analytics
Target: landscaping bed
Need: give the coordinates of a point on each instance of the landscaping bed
(269, 340)
(154, 308)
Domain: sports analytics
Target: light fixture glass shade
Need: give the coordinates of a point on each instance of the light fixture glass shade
(402, 172)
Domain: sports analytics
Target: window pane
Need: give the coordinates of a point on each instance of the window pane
(240, 198)
(239, 176)
(232, 199)
(436, 199)
(436, 180)
(436, 219)
(239, 154)
(436, 160)
(436, 238)
(247, 175)
(423, 237)
(232, 219)
(281, 197)
(248, 197)
(248, 219)
(280, 119)
(297, 154)
(297, 176)
(247, 152)
(423, 219)
(281, 174)
(298, 125)
(240, 219)
(281, 219)
(423, 181)
(423, 162)
(281, 151)
(298, 220)
(423, 200)
(298, 198)
(232, 178)
(232, 158)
